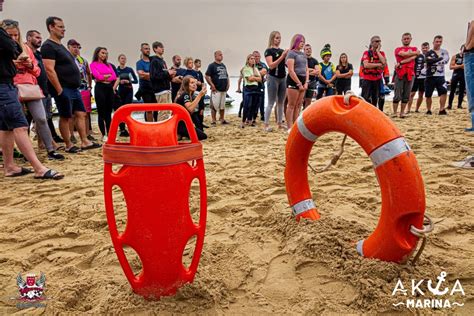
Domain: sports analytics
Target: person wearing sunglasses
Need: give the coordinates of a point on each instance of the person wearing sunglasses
(373, 65)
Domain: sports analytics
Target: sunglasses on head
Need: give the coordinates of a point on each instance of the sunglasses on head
(9, 22)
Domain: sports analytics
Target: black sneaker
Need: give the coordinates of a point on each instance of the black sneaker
(443, 112)
(428, 112)
(205, 126)
(460, 107)
(124, 133)
(58, 139)
(52, 155)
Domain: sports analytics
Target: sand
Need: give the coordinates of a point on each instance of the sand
(256, 258)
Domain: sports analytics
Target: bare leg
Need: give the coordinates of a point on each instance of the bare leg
(402, 109)
(419, 101)
(81, 128)
(428, 103)
(299, 104)
(213, 114)
(442, 102)
(65, 131)
(395, 108)
(410, 101)
(293, 96)
(221, 115)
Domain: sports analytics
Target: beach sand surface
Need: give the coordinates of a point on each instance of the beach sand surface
(256, 258)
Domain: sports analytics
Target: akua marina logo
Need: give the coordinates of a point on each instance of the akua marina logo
(438, 288)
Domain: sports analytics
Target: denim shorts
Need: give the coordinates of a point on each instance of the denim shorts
(68, 102)
(11, 110)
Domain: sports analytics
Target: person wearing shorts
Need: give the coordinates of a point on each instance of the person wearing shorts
(64, 82)
(420, 76)
(313, 66)
(436, 60)
(13, 123)
(218, 78)
(404, 74)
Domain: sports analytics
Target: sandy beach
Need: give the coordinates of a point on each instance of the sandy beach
(256, 258)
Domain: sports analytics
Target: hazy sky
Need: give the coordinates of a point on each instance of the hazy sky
(197, 28)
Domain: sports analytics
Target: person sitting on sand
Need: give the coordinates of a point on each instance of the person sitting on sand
(186, 98)
(13, 124)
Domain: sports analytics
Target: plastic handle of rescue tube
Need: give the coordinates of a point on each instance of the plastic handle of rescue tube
(116, 179)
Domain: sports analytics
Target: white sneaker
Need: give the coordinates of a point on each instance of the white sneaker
(268, 129)
(105, 138)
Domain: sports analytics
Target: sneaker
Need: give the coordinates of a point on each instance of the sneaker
(52, 155)
(460, 107)
(268, 129)
(124, 133)
(443, 112)
(104, 138)
(58, 139)
(91, 138)
(428, 112)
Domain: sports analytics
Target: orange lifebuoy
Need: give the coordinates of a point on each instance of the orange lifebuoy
(398, 174)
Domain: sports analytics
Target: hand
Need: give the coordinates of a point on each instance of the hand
(213, 88)
(263, 72)
(124, 81)
(238, 91)
(204, 90)
(305, 87)
(300, 87)
(285, 52)
(172, 72)
(107, 76)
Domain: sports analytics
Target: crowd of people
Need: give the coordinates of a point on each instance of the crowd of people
(34, 72)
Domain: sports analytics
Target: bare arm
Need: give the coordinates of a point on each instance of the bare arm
(52, 75)
(143, 75)
(239, 83)
(470, 36)
(191, 106)
(273, 64)
(291, 70)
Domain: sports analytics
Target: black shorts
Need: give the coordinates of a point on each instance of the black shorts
(291, 84)
(312, 88)
(438, 83)
(68, 102)
(418, 85)
(11, 110)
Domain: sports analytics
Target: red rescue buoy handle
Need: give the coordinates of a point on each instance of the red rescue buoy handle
(156, 179)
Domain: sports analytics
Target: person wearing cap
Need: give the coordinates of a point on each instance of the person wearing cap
(327, 73)
(65, 79)
(86, 85)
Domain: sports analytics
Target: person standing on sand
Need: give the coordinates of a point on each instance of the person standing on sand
(469, 71)
(436, 59)
(327, 73)
(13, 124)
(420, 75)
(200, 78)
(218, 78)
(34, 41)
(160, 75)
(344, 72)
(65, 79)
(145, 89)
(276, 84)
(297, 79)
(263, 69)
(373, 64)
(404, 74)
(313, 66)
(251, 77)
(178, 79)
(457, 65)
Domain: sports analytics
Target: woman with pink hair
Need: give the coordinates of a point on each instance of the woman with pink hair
(297, 79)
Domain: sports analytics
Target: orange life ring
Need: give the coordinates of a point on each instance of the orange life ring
(398, 174)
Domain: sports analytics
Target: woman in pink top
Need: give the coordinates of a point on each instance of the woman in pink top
(27, 72)
(105, 85)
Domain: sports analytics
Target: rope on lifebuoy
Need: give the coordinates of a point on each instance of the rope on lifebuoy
(428, 227)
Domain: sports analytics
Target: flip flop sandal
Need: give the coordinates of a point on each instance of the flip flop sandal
(23, 172)
(92, 146)
(60, 148)
(73, 150)
(50, 175)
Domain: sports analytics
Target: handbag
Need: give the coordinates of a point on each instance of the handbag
(29, 92)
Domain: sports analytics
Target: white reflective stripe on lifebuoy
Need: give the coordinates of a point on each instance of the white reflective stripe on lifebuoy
(304, 130)
(389, 151)
(303, 206)
(359, 247)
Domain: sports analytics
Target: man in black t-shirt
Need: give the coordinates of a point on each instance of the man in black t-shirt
(313, 75)
(64, 82)
(177, 80)
(218, 79)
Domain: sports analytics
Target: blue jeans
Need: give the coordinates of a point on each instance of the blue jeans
(469, 75)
